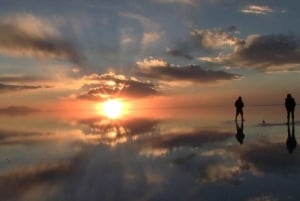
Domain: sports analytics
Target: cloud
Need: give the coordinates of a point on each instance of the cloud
(132, 127)
(22, 182)
(21, 137)
(19, 78)
(195, 138)
(111, 85)
(223, 172)
(17, 110)
(112, 133)
(150, 37)
(256, 9)
(217, 38)
(185, 2)
(4, 88)
(30, 36)
(160, 145)
(264, 52)
(148, 24)
(179, 53)
(159, 69)
(261, 157)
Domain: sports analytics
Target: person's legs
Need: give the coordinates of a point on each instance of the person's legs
(239, 111)
(288, 116)
(242, 115)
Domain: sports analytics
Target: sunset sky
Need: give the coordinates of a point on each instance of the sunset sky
(134, 100)
(154, 53)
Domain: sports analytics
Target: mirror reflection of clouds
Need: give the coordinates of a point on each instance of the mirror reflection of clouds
(45, 157)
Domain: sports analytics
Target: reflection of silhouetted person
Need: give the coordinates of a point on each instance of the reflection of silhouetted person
(239, 108)
(290, 104)
(291, 142)
(240, 132)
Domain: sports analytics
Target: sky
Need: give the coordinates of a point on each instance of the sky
(63, 54)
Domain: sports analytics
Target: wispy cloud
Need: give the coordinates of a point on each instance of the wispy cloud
(147, 23)
(21, 78)
(215, 38)
(30, 36)
(185, 2)
(162, 71)
(150, 37)
(17, 110)
(257, 9)
(4, 88)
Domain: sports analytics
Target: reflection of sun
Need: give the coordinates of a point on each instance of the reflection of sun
(112, 108)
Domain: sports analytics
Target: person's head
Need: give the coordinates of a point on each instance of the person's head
(289, 96)
(240, 98)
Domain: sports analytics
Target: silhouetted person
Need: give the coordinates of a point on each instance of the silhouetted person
(291, 142)
(239, 108)
(290, 105)
(240, 132)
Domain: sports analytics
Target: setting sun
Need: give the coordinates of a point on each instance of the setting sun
(112, 108)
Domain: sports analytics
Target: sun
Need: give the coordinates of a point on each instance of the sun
(112, 108)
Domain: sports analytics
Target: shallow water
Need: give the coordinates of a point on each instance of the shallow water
(189, 155)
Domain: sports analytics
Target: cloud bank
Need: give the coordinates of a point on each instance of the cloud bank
(276, 52)
(161, 70)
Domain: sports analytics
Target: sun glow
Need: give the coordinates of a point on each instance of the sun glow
(112, 108)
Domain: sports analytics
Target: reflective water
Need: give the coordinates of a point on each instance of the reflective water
(191, 155)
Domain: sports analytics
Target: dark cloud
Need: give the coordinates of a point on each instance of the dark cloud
(18, 183)
(192, 73)
(17, 110)
(4, 134)
(27, 35)
(265, 52)
(22, 78)
(112, 86)
(196, 138)
(14, 88)
(267, 156)
(21, 137)
(179, 53)
(183, 160)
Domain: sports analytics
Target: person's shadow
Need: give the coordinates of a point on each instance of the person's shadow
(240, 132)
(291, 142)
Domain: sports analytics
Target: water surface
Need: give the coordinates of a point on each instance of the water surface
(188, 155)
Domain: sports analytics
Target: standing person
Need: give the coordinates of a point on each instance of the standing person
(290, 104)
(239, 108)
